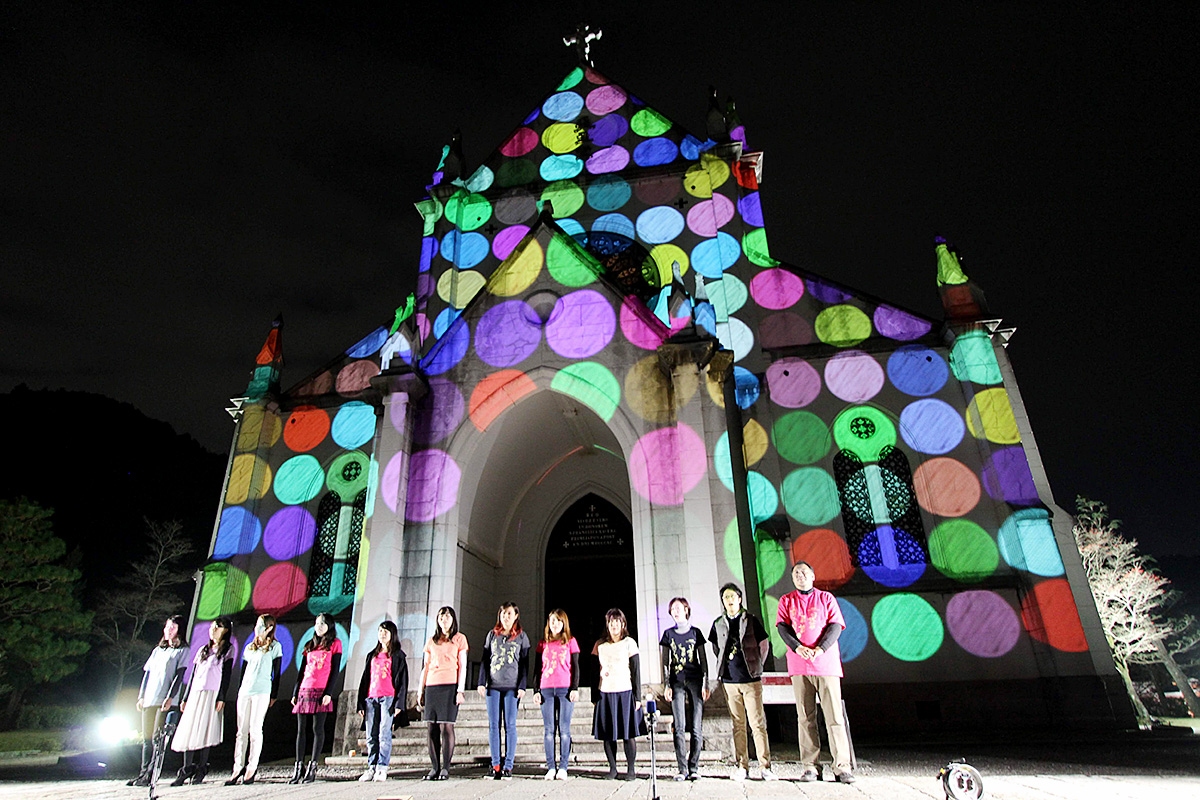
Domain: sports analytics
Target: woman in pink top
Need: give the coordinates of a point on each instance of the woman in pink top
(556, 686)
(312, 698)
(443, 681)
(381, 695)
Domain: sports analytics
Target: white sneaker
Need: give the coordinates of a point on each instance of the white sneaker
(369, 775)
(381, 773)
(550, 775)
(767, 775)
(561, 774)
(738, 774)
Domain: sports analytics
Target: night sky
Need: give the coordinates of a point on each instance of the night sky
(174, 175)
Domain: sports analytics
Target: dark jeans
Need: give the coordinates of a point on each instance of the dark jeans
(681, 696)
(560, 696)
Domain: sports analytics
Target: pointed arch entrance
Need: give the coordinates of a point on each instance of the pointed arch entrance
(589, 569)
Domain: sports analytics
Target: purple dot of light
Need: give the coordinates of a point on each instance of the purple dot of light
(398, 413)
(507, 239)
(750, 207)
(610, 159)
(1006, 477)
(931, 426)
(424, 285)
(443, 409)
(532, 116)
(433, 478)
(896, 324)
(704, 218)
(290, 532)
(606, 130)
(505, 336)
(826, 293)
(429, 249)
(776, 289)
(449, 350)
(605, 100)
(982, 623)
(581, 325)
(785, 330)
(640, 328)
(853, 376)
(667, 463)
(389, 484)
(793, 382)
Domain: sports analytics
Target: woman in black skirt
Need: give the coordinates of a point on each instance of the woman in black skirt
(619, 710)
(443, 681)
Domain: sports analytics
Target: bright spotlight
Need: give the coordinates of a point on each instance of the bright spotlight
(115, 730)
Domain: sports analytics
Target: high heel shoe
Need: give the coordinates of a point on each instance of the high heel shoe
(183, 775)
(310, 775)
(297, 772)
(237, 777)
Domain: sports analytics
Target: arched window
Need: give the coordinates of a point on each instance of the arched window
(333, 570)
(883, 526)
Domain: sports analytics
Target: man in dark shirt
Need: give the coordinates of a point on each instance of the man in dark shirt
(740, 644)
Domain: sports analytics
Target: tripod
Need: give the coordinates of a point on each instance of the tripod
(161, 737)
(652, 720)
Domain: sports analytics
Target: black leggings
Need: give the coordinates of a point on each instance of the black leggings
(318, 733)
(441, 744)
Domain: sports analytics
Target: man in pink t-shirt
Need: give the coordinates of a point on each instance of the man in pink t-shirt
(809, 622)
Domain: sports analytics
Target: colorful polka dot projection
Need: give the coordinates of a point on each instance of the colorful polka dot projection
(821, 374)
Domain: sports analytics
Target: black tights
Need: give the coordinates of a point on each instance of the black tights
(441, 744)
(198, 758)
(318, 733)
(610, 750)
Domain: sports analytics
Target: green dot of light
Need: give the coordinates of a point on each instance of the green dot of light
(567, 265)
(299, 479)
(973, 359)
(727, 295)
(565, 196)
(770, 607)
(810, 496)
(842, 326)
(867, 449)
(516, 172)
(649, 122)
(468, 211)
(754, 245)
(722, 462)
(342, 478)
(224, 590)
(962, 550)
(591, 384)
(907, 627)
(573, 78)
(801, 437)
(431, 212)
(772, 563)
(764, 500)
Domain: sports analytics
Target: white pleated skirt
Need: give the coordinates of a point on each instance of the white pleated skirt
(201, 725)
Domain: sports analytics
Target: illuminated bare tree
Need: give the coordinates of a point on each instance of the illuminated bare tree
(1132, 600)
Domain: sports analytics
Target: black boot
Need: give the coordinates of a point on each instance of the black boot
(184, 773)
(201, 771)
(297, 772)
(310, 775)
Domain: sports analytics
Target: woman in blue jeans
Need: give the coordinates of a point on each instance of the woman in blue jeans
(502, 677)
(557, 676)
(381, 697)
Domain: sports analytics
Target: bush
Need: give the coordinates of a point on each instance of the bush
(47, 717)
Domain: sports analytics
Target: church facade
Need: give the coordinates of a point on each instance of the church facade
(606, 391)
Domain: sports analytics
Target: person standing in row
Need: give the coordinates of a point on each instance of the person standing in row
(262, 661)
(740, 644)
(202, 724)
(443, 681)
(685, 668)
(502, 680)
(162, 687)
(618, 714)
(810, 621)
(312, 699)
(556, 674)
(381, 697)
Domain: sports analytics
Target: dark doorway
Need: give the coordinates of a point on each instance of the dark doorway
(589, 569)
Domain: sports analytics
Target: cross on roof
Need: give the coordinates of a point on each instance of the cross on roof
(582, 41)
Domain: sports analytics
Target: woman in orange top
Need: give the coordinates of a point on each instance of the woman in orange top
(443, 681)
